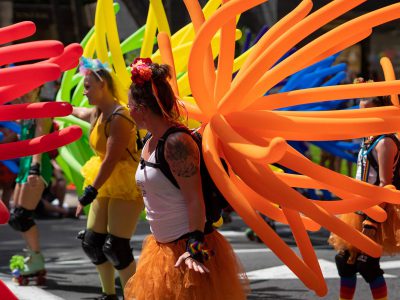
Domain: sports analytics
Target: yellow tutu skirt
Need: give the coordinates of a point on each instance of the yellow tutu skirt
(388, 233)
(120, 185)
(157, 278)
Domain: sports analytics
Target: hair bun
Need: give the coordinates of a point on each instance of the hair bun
(160, 72)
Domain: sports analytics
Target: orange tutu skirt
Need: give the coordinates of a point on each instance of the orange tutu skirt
(157, 278)
(388, 233)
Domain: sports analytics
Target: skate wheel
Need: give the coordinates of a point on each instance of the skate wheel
(40, 280)
(250, 235)
(23, 280)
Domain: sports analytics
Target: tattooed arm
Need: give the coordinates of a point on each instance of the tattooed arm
(183, 157)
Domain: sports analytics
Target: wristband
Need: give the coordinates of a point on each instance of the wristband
(34, 169)
(195, 245)
(368, 224)
(370, 220)
(89, 194)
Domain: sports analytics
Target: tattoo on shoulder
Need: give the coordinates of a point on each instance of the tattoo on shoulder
(182, 155)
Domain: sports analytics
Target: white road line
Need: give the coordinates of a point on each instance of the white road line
(256, 250)
(28, 292)
(328, 269)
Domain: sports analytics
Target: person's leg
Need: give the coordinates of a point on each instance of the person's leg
(122, 219)
(59, 186)
(347, 273)
(29, 198)
(370, 270)
(94, 240)
(16, 194)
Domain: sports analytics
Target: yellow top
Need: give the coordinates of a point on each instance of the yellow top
(98, 136)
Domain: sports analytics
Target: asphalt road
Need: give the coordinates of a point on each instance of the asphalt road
(72, 276)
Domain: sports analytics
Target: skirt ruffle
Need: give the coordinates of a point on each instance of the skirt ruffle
(388, 233)
(157, 278)
(120, 185)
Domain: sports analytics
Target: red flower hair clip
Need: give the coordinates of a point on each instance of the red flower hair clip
(141, 71)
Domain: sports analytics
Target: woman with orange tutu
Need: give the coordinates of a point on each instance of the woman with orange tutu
(110, 186)
(378, 163)
(183, 258)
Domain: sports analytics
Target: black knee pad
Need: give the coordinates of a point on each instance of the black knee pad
(92, 245)
(345, 269)
(368, 267)
(21, 219)
(118, 251)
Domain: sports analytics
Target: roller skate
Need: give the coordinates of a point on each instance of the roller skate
(30, 267)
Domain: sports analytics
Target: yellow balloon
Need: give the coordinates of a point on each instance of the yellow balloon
(161, 17)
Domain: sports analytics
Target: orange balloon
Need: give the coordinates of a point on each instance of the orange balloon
(266, 234)
(164, 44)
(239, 94)
(388, 71)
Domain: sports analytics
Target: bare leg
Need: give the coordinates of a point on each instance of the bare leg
(29, 198)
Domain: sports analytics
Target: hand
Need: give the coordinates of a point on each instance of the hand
(191, 263)
(79, 209)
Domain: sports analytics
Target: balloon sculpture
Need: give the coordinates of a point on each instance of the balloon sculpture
(19, 80)
(242, 124)
(243, 127)
(16, 81)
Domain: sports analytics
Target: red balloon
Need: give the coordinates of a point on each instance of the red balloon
(4, 215)
(40, 144)
(16, 31)
(32, 72)
(30, 51)
(5, 293)
(69, 59)
(35, 110)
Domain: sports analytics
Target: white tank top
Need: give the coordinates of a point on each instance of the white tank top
(166, 209)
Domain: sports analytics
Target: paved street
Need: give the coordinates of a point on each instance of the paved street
(71, 276)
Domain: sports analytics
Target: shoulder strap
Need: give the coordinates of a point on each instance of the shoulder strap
(108, 121)
(159, 154)
(110, 117)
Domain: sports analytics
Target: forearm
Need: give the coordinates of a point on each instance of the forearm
(196, 215)
(82, 113)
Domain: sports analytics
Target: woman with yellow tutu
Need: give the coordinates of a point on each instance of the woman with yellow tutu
(182, 258)
(115, 200)
(378, 164)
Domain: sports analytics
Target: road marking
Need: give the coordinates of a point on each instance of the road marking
(328, 269)
(256, 250)
(28, 292)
